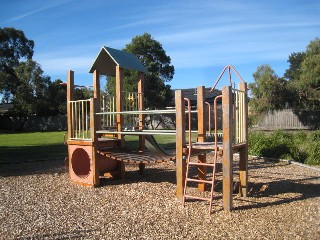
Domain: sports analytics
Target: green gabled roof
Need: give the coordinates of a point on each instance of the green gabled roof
(109, 58)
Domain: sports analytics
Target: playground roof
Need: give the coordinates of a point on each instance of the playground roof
(109, 58)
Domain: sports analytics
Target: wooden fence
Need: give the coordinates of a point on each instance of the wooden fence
(289, 119)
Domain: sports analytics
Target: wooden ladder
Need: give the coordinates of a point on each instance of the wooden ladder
(206, 181)
(203, 146)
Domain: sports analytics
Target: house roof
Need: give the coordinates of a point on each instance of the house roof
(191, 93)
(5, 107)
(108, 58)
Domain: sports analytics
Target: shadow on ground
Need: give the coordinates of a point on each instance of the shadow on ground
(278, 189)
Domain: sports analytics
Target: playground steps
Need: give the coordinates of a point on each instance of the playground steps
(210, 182)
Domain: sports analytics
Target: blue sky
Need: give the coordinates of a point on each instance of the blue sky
(201, 37)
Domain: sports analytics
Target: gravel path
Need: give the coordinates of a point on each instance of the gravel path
(37, 201)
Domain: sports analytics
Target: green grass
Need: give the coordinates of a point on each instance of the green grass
(32, 146)
(300, 146)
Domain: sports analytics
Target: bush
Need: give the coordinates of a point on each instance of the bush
(298, 146)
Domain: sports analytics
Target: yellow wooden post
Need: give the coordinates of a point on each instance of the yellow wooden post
(180, 143)
(201, 133)
(227, 158)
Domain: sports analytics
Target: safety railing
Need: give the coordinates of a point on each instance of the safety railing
(131, 102)
(80, 119)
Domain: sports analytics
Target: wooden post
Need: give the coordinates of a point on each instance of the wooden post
(70, 97)
(96, 94)
(96, 87)
(201, 133)
(243, 151)
(119, 101)
(94, 137)
(141, 108)
(141, 117)
(227, 158)
(119, 108)
(180, 143)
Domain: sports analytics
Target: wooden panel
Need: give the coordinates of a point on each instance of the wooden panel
(180, 143)
(201, 134)
(227, 148)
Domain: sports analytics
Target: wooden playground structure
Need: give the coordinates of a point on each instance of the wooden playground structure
(97, 127)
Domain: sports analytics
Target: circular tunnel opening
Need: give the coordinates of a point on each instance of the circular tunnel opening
(80, 163)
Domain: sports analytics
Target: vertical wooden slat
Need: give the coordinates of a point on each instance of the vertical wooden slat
(180, 143)
(201, 133)
(227, 160)
(243, 152)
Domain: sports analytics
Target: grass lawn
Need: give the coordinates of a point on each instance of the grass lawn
(32, 146)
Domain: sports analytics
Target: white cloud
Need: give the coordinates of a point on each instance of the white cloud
(37, 7)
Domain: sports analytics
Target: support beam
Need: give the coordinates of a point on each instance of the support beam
(180, 143)
(96, 94)
(70, 97)
(201, 133)
(141, 108)
(94, 137)
(227, 159)
(96, 87)
(243, 152)
(119, 101)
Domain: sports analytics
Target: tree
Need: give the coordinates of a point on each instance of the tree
(268, 90)
(295, 60)
(14, 47)
(308, 86)
(57, 98)
(305, 85)
(31, 95)
(159, 71)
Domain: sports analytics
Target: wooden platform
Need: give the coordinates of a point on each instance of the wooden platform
(135, 158)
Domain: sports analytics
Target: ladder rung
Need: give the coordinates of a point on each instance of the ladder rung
(199, 180)
(199, 198)
(201, 164)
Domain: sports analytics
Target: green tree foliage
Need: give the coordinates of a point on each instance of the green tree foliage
(57, 98)
(32, 92)
(304, 77)
(159, 71)
(14, 48)
(268, 91)
(295, 60)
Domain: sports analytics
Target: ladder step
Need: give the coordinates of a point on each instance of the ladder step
(201, 164)
(199, 180)
(198, 198)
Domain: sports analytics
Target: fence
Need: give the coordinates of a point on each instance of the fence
(289, 119)
(34, 123)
